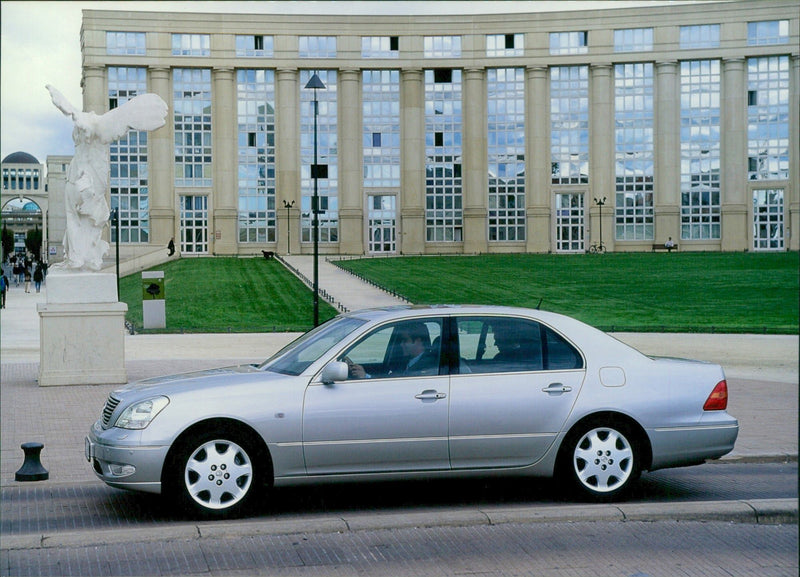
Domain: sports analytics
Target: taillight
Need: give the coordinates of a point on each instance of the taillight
(718, 399)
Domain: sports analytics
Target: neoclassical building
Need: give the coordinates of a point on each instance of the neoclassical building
(24, 199)
(456, 135)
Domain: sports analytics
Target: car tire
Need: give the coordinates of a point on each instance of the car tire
(601, 460)
(219, 473)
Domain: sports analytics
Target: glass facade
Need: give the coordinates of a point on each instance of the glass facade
(380, 105)
(633, 40)
(128, 161)
(126, 43)
(506, 138)
(442, 46)
(327, 156)
(569, 43)
(700, 150)
(256, 158)
(768, 32)
(191, 101)
(768, 118)
(569, 124)
(191, 45)
(634, 151)
(505, 45)
(254, 46)
(444, 217)
(380, 47)
(700, 36)
(317, 46)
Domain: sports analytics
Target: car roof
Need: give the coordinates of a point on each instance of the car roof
(411, 311)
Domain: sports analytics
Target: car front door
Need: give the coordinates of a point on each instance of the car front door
(516, 388)
(385, 417)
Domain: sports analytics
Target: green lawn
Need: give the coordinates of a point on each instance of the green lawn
(696, 292)
(228, 294)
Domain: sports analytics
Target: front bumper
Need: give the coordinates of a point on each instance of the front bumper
(120, 459)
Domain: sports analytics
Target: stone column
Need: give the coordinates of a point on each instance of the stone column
(667, 193)
(412, 162)
(95, 95)
(736, 226)
(160, 155)
(537, 159)
(601, 154)
(351, 199)
(287, 157)
(792, 194)
(226, 191)
(475, 164)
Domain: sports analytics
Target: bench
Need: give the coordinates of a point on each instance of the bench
(663, 246)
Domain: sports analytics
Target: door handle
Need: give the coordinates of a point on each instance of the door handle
(430, 395)
(556, 388)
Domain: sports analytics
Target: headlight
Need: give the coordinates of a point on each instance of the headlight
(140, 414)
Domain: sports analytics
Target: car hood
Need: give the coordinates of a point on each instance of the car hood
(197, 380)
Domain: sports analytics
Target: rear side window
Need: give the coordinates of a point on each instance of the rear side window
(506, 344)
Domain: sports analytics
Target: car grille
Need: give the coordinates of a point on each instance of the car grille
(108, 410)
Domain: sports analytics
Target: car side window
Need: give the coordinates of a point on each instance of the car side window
(406, 348)
(500, 344)
(560, 354)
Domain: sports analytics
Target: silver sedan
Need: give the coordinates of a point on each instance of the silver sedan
(416, 392)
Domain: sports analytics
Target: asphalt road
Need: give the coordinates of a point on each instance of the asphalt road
(107, 532)
(32, 510)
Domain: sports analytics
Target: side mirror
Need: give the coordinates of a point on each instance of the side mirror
(334, 371)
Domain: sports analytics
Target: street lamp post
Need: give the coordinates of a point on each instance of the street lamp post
(114, 218)
(288, 206)
(600, 204)
(314, 84)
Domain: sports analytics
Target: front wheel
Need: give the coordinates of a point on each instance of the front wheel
(216, 474)
(601, 461)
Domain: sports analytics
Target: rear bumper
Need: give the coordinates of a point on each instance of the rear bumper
(690, 445)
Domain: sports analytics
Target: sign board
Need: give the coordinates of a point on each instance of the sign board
(154, 310)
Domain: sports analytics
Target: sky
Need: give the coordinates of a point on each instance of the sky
(40, 44)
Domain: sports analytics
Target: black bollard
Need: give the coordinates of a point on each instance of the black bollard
(32, 469)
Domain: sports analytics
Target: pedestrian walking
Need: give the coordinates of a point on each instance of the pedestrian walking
(27, 280)
(38, 277)
(3, 289)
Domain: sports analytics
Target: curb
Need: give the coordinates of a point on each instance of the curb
(757, 512)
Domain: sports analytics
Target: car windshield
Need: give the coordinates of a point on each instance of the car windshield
(297, 356)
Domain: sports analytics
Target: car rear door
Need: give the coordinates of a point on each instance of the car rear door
(507, 406)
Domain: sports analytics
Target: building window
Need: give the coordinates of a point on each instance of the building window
(126, 43)
(254, 46)
(633, 40)
(128, 161)
(442, 47)
(191, 45)
(317, 46)
(506, 153)
(192, 116)
(443, 192)
(701, 36)
(569, 43)
(768, 118)
(569, 124)
(768, 32)
(256, 181)
(381, 128)
(504, 45)
(700, 150)
(633, 97)
(380, 47)
(327, 157)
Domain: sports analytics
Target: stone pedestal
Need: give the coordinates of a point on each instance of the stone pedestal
(82, 330)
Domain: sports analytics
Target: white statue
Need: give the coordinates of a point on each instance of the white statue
(87, 176)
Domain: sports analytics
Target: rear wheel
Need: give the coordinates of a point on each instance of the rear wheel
(218, 473)
(601, 461)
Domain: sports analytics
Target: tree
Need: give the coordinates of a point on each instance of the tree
(33, 242)
(8, 242)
